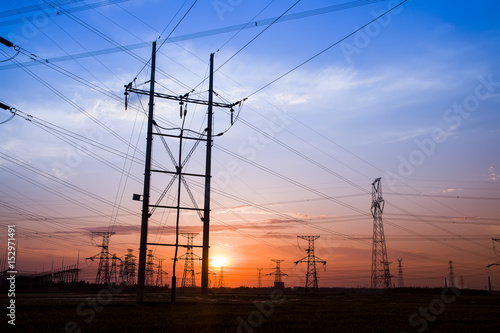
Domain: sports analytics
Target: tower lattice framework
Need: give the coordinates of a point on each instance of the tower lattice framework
(150, 281)
(451, 275)
(129, 268)
(311, 260)
(381, 275)
(259, 281)
(222, 282)
(104, 270)
(278, 281)
(401, 282)
(188, 276)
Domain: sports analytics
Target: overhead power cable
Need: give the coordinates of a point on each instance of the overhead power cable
(326, 49)
(257, 36)
(207, 33)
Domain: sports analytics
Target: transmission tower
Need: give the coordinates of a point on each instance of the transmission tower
(104, 270)
(114, 276)
(179, 173)
(278, 282)
(159, 276)
(259, 283)
(401, 282)
(150, 269)
(129, 268)
(451, 275)
(311, 260)
(188, 277)
(381, 276)
(222, 283)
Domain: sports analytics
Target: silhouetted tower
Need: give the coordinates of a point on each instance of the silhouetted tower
(381, 276)
(401, 282)
(129, 268)
(188, 277)
(461, 282)
(278, 282)
(259, 283)
(113, 275)
(222, 283)
(451, 275)
(311, 260)
(150, 281)
(159, 276)
(104, 270)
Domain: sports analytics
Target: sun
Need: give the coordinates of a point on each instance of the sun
(219, 261)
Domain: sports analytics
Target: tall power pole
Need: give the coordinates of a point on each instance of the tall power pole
(401, 282)
(104, 270)
(311, 260)
(451, 275)
(381, 276)
(188, 277)
(146, 213)
(278, 281)
(141, 276)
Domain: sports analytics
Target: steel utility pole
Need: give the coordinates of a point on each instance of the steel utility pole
(146, 213)
(208, 175)
(141, 276)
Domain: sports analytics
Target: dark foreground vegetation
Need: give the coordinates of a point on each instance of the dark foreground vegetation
(249, 310)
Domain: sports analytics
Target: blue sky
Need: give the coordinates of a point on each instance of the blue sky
(412, 98)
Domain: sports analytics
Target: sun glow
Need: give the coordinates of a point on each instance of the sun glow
(219, 261)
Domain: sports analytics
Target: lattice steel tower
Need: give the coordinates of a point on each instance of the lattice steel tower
(401, 282)
(159, 276)
(222, 283)
(311, 260)
(259, 283)
(104, 270)
(451, 276)
(188, 277)
(381, 276)
(278, 282)
(150, 281)
(129, 268)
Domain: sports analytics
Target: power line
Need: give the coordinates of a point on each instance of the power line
(324, 50)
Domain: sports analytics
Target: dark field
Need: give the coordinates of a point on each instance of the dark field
(244, 312)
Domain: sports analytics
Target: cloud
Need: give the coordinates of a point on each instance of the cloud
(449, 190)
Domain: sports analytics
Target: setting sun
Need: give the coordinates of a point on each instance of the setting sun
(219, 261)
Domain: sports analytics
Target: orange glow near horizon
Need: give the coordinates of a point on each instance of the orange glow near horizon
(219, 261)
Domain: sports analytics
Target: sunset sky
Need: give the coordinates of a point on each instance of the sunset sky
(414, 98)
